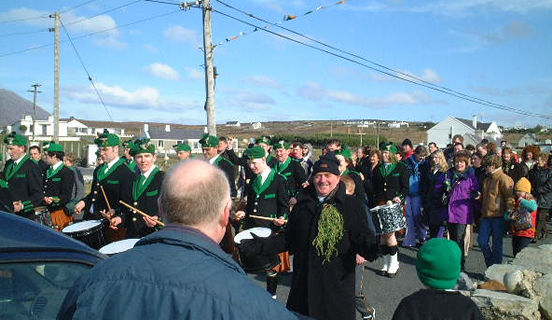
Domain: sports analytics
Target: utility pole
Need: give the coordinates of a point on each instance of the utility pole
(57, 22)
(209, 72)
(35, 92)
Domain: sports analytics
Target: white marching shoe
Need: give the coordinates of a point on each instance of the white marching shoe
(393, 265)
(385, 268)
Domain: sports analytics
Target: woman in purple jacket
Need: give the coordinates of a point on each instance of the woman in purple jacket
(461, 191)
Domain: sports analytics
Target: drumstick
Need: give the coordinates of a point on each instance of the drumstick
(105, 198)
(140, 212)
(263, 218)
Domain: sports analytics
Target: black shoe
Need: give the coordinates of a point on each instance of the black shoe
(365, 311)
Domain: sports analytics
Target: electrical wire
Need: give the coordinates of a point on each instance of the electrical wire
(464, 97)
(90, 34)
(76, 6)
(455, 93)
(86, 70)
(44, 16)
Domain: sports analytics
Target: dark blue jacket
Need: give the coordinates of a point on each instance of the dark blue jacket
(175, 273)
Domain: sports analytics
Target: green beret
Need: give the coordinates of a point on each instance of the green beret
(128, 144)
(209, 141)
(52, 146)
(182, 147)
(15, 139)
(263, 139)
(281, 144)
(255, 152)
(391, 147)
(107, 139)
(345, 152)
(142, 146)
(97, 153)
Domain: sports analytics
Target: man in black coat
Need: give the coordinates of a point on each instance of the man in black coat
(325, 231)
(114, 177)
(145, 191)
(22, 178)
(290, 169)
(210, 152)
(58, 185)
(267, 196)
(36, 157)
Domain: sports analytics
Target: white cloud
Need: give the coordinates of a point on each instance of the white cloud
(195, 74)
(181, 34)
(316, 92)
(118, 97)
(261, 80)
(428, 75)
(163, 71)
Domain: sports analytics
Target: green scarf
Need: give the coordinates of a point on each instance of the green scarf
(283, 166)
(12, 170)
(139, 186)
(101, 172)
(260, 187)
(51, 172)
(386, 170)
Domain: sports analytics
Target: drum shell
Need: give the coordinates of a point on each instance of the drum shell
(42, 216)
(258, 262)
(391, 219)
(92, 236)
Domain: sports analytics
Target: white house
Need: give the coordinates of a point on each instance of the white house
(233, 124)
(256, 125)
(44, 128)
(165, 138)
(472, 131)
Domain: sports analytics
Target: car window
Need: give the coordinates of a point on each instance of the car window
(35, 290)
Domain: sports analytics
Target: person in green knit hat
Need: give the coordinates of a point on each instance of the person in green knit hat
(291, 169)
(21, 179)
(267, 196)
(183, 151)
(438, 268)
(210, 145)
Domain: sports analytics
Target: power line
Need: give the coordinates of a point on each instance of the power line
(86, 70)
(90, 34)
(44, 16)
(77, 6)
(464, 97)
(454, 92)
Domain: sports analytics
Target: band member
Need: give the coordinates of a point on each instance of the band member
(390, 186)
(210, 151)
(145, 191)
(22, 178)
(183, 151)
(264, 141)
(58, 186)
(267, 196)
(128, 146)
(113, 176)
(36, 157)
(290, 169)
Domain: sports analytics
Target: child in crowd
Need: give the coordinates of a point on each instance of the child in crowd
(438, 267)
(523, 230)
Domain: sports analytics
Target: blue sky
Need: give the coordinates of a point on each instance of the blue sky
(494, 50)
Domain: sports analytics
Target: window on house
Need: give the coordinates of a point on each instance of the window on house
(160, 144)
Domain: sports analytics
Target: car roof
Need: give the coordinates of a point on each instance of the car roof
(28, 238)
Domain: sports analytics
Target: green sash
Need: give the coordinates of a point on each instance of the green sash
(386, 170)
(139, 186)
(283, 166)
(101, 172)
(12, 170)
(51, 172)
(259, 187)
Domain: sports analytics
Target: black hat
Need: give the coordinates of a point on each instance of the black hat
(327, 163)
(407, 142)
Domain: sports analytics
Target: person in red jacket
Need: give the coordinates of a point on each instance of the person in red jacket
(525, 203)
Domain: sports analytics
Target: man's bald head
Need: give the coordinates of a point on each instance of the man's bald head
(194, 193)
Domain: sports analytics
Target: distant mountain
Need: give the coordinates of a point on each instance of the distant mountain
(13, 107)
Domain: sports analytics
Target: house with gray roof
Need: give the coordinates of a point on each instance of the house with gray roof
(166, 137)
(472, 131)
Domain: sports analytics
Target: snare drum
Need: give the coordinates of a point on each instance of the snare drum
(89, 232)
(390, 218)
(42, 216)
(258, 262)
(118, 246)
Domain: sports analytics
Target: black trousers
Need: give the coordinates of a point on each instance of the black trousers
(457, 232)
(519, 243)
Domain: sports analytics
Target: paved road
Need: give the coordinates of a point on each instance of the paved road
(384, 293)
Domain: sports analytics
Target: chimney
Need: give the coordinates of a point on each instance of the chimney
(167, 128)
(146, 134)
(474, 121)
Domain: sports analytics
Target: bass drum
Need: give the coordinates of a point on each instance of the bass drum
(118, 246)
(390, 217)
(259, 262)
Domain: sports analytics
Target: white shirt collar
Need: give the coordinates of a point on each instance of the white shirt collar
(19, 160)
(55, 166)
(213, 159)
(111, 163)
(147, 173)
(264, 174)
